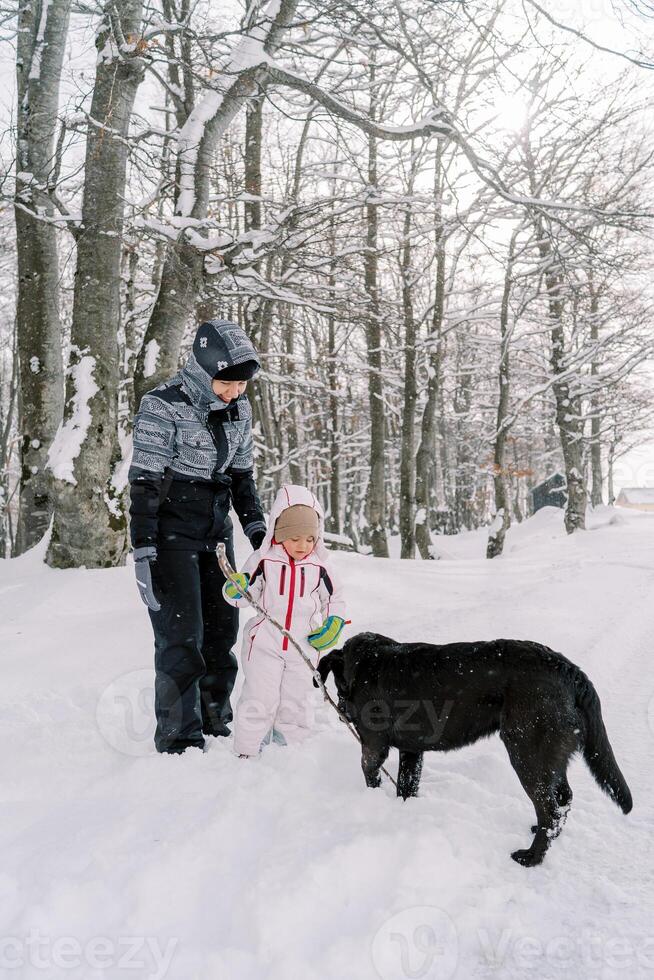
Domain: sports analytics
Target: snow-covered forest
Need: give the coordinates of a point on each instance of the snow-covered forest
(424, 227)
(432, 218)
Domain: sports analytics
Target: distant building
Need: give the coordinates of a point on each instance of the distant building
(637, 498)
(552, 492)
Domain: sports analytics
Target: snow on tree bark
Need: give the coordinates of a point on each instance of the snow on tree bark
(41, 44)
(89, 524)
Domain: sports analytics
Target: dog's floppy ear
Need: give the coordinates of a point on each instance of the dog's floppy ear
(331, 664)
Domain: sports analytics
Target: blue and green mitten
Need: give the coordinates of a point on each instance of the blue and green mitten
(230, 589)
(328, 634)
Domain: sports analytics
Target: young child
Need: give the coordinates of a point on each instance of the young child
(291, 577)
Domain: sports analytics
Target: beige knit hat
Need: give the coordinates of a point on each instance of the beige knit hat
(296, 520)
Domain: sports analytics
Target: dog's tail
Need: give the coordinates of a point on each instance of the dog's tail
(597, 748)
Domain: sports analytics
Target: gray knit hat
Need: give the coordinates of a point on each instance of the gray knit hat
(296, 520)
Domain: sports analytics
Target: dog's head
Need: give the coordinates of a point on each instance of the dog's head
(343, 663)
(333, 663)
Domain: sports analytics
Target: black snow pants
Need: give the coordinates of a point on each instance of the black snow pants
(194, 632)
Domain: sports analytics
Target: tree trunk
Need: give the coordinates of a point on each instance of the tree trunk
(518, 491)
(7, 412)
(426, 447)
(334, 514)
(568, 405)
(595, 406)
(376, 498)
(610, 466)
(89, 523)
(128, 337)
(42, 33)
(502, 517)
(464, 486)
(293, 424)
(258, 311)
(334, 520)
(407, 448)
(252, 163)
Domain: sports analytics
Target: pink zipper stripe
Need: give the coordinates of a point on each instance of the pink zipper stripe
(289, 610)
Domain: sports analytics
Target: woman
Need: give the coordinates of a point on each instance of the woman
(192, 459)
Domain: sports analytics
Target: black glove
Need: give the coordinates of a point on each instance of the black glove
(257, 539)
(143, 557)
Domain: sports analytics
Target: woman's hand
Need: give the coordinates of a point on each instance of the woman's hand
(257, 539)
(143, 558)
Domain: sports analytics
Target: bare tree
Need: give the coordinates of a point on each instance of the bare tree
(407, 447)
(89, 524)
(8, 407)
(502, 517)
(376, 502)
(42, 34)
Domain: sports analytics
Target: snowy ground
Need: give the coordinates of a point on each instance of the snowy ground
(118, 862)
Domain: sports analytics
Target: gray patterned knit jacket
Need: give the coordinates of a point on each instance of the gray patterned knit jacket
(192, 453)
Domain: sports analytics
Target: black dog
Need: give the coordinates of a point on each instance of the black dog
(419, 697)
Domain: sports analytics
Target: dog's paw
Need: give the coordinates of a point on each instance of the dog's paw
(527, 858)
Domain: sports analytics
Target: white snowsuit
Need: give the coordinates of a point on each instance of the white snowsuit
(299, 595)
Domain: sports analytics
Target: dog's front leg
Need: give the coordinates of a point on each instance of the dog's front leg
(409, 772)
(372, 759)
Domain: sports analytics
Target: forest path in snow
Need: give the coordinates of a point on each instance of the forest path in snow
(119, 862)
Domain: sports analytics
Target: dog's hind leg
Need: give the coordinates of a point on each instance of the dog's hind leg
(563, 796)
(372, 759)
(408, 775)
(564, 793)
(541, 776)
(550, 818)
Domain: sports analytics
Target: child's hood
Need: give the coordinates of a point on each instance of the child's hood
(287, 496)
